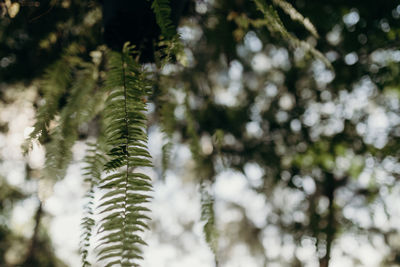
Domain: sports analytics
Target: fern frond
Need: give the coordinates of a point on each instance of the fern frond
(167, 124)
(194, 142)
(54, 86)
(126, 189)
(94, 160)
(169, 50)
(162, 10)
(166, 156)
(207, 200)
(79, 108)
(208, 216)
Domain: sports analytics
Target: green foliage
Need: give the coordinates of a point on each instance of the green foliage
(95, 161)
(125, 187)
(194, 141)
(81, 106)
(167, 123)
(54, 86)
(207, 199)
(208, 216)
(169, 45)
(162, 11)
(73, 97)
(72, 93)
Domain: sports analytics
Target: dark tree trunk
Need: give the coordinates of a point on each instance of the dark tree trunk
(330, 229)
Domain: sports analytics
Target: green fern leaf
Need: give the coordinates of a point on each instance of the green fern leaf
(92, 172)
(54, 86)
(162, 11)
(126, 190)
(167, 121)
(80, 107)
(208, 216)
(207, 201)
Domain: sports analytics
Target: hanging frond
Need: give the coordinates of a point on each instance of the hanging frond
(170, 47)
(194, 141)
(54, 86)
(80, 107)
(205, 176)
(167, 124)
(208, 216)
(125, 188)
(218, 140)
(94, 161)
(166, 156)
(169, 50)
(162, 10)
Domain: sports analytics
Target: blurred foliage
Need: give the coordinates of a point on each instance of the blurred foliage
(315, 109)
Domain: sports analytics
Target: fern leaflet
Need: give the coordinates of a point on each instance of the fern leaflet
(94, 160)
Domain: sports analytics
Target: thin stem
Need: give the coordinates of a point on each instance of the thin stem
(126, 118)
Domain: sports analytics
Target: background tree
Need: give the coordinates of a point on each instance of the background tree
(309, 115)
